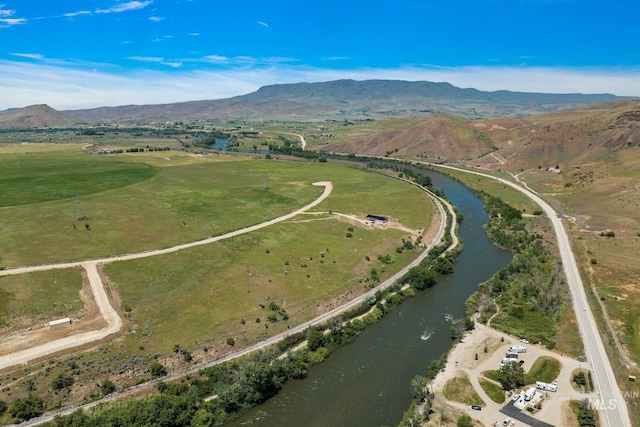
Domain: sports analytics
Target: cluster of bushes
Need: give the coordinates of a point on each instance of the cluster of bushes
(586, 415)
(290, 148)
(275, 310)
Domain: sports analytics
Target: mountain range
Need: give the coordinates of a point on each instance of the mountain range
(334, 100)
(347, 99)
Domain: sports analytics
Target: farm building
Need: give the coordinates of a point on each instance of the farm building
(377, 219)
(59, 323)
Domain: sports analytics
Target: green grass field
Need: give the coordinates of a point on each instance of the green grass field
(181, 200)
(27, 299)
(545, 369)
(199, 297)
(32, 178)
(205, 293)
(493, 390)
(460, 390)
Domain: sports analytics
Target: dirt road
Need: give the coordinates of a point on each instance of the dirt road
(113, 319)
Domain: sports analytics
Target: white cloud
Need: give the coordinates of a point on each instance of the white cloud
(194, 34)
(161, 39)
(24, 83)
(78, 13)
(218, 59)
(125, 7)
(264, 24)
(146, 58)
(9, 22)
(28, 55)
(243, 60)
(155, 19)
(5, 13)
(157, 60)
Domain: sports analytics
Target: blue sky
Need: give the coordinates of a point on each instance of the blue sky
(80, 54)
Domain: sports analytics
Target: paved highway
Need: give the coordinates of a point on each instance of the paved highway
(609, 399)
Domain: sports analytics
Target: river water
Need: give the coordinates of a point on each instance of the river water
(367, 383)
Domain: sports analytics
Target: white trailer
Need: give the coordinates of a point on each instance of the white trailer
(59, 323)
(517, 349)
(545, 386)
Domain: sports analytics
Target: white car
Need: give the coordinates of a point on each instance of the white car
(524, 340)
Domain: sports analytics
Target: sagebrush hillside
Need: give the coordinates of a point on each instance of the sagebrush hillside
(37, 116)
(588, 158)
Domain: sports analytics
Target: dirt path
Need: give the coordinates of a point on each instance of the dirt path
(435, 232)
(112, 318)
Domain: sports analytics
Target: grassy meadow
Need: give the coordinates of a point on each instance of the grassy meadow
(154, 200)
(200, 297)
(37, 297)
(222, 290)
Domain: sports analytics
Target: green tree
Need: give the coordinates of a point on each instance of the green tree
(511, 375)
(27, 408)
(580, 379)
(418, 384)
(3, 407)
(297, 368)
(62, 381)
(107, 387)
(419, 277)
(157, 370)
(315, 339)
(586, 416)
(443, 265)
(203, 418)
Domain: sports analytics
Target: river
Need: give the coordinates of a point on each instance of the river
(367, 383)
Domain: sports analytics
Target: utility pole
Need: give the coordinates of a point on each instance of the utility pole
(79, 215)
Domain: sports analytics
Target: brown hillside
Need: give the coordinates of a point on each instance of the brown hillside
(593, 134)
(36, 116)
(438, 136)
(586, 159)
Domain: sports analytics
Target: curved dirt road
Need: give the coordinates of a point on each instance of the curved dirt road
(114, 321)
(438, 203)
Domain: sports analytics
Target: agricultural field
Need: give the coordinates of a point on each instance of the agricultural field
(38, 297)
(65, 202)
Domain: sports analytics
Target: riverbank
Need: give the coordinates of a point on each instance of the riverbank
(468, 359)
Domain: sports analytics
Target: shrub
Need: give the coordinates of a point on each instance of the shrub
(157, 370)
(62, 381)
(27, 408)
(107, 387)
